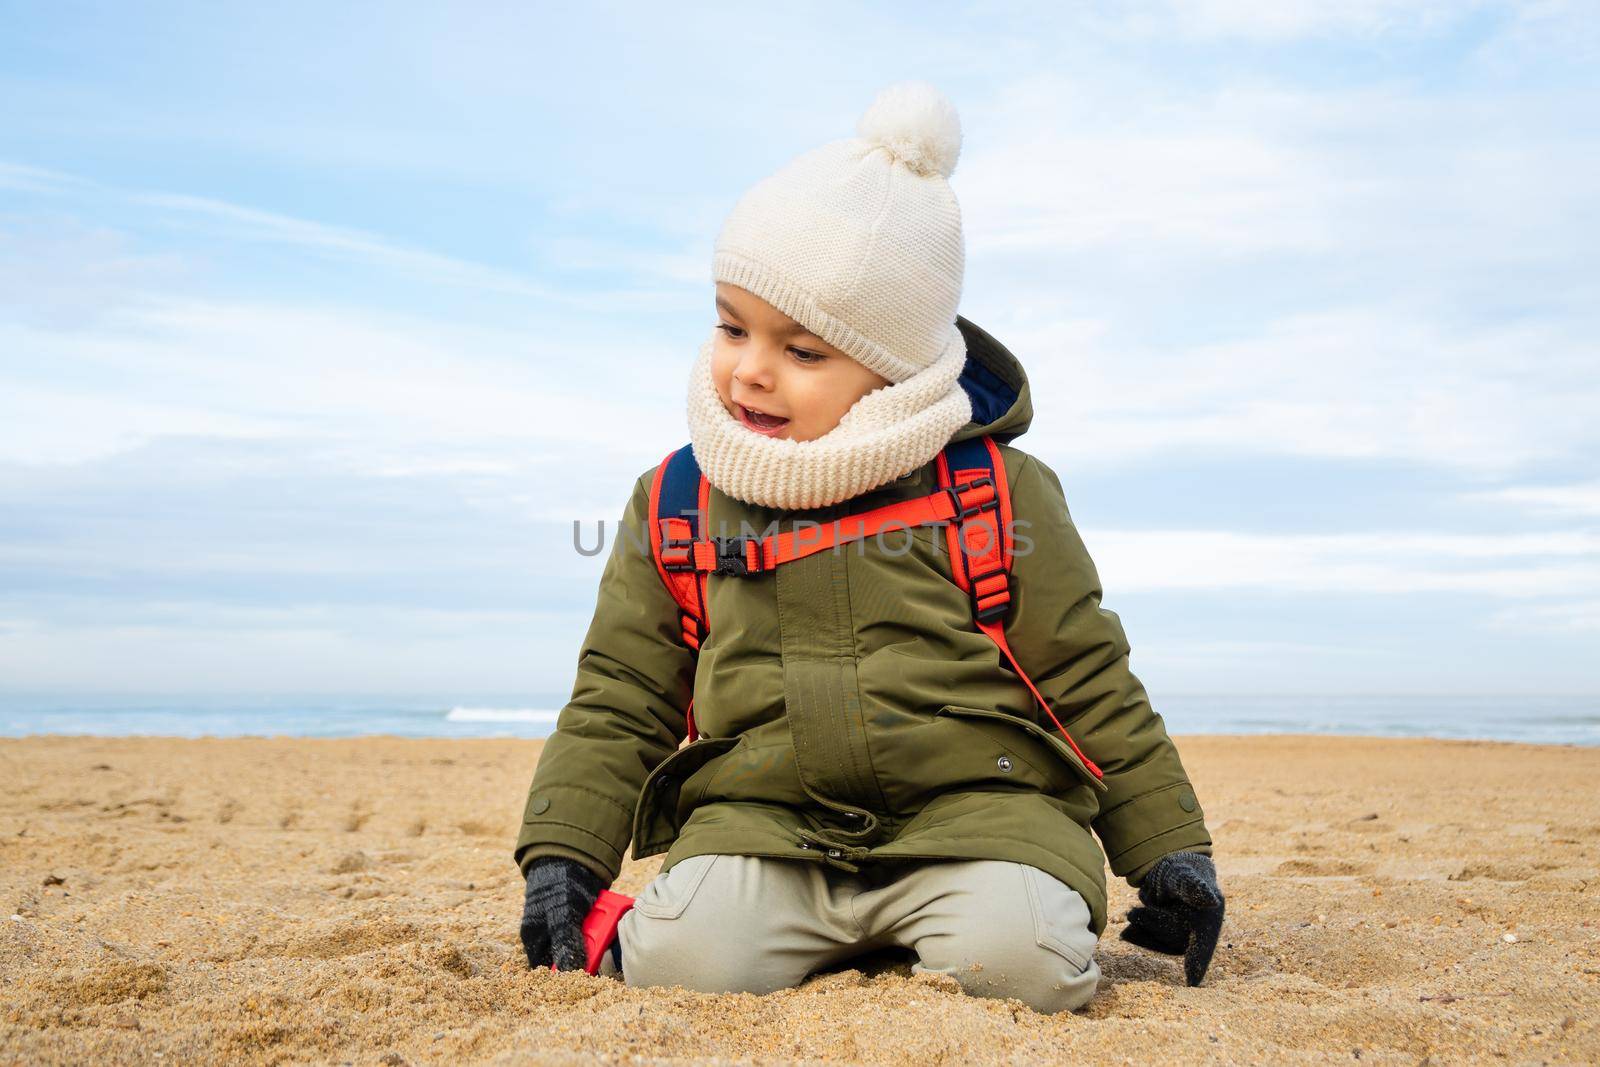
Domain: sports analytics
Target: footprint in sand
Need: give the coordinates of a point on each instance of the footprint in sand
(451, 959)
(345, 939)
(351, 862)
(1497, 872)
(1329, 868)
(109, 982)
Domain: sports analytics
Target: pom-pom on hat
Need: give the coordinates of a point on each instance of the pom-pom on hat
(860, 240)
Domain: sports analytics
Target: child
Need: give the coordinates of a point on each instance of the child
(871, 768)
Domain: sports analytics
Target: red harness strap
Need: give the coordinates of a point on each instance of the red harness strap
(974, 503)
(980, 560)
(744, 556)
(688, 588)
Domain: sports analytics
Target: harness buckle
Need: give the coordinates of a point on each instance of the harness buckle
(964, 512)
(993, 611)
(677, 553)
(733, 555)
(990, 599)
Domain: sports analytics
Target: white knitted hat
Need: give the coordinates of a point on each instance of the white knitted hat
(860, 240)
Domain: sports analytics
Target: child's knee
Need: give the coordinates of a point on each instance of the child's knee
(664, 935)
(695, 927)
(1036, 947)
(660, 952)
(1049, 982)
(1042, 976)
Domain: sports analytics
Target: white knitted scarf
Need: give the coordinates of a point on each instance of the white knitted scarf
(887, 434)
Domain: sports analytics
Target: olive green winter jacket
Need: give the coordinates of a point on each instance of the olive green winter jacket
(851, 712)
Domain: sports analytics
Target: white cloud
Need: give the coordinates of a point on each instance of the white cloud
(63, 275)
(1069, 164)
(1511, 566)
(1582, 499)
(248, 224)
(1136, 185)
(22, 178)
(1371, 271)
(1200, 653)
(56, 425)
(200, 647)
(73, 259)
(1285, 20)
(1363, 383)
(399, 389)
(1572, 617)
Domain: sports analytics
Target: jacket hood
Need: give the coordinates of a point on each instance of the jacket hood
(996, 384)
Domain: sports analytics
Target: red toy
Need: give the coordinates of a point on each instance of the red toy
(600, 927)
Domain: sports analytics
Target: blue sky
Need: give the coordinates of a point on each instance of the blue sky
(319, 324)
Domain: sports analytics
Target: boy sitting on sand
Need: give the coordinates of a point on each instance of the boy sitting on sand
(873, 768)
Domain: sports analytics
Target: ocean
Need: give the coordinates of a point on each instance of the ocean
(1543, 719)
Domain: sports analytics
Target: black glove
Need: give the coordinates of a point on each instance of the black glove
(559, 894)
(1183, 909)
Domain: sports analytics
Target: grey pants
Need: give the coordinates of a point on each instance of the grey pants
(723, 924)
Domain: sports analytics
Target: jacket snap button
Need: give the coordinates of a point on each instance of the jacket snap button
(1004, 763)
(540, 805)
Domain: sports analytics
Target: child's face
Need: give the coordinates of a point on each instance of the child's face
(764, 359)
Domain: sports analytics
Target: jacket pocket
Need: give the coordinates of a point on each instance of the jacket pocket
(671, 791)
(1052, 743)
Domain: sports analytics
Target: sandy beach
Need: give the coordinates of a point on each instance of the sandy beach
(288, 900)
